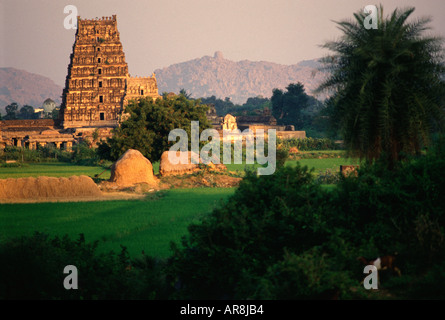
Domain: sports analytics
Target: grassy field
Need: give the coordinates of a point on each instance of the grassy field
(52, 169)
(321, 165)
(57, 169)
(62, 169)
(319, 160)
(147, 225)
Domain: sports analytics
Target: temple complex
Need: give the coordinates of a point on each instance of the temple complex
(98, 86)
(264, 121)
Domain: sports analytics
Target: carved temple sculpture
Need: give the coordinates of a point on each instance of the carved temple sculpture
(98, 85)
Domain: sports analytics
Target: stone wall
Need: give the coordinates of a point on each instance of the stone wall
(291, 134)
(33, 133)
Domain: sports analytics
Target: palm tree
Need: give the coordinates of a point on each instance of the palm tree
(388, 85)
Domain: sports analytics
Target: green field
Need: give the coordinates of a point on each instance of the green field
(62, 169)
(52, 169)
(311, 159)
(57, 169)
(148, 225)
(321, 165)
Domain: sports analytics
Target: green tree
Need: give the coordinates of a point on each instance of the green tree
(26, 112)
(257, 102)
(54, 114)
(149, 124)
(287, 106)
(221, 106)
(11, 111)
(387, 84)
(185, 93)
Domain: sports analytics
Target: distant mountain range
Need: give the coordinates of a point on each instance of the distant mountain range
(203, 77)
(26, 88)
(216, 76)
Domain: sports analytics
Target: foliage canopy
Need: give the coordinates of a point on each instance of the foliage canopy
(149, 124)
(388, 85)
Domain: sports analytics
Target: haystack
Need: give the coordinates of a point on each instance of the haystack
(48, 187)
(132, 168)
(166, 168)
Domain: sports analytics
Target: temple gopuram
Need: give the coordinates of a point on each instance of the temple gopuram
(98, 84)
(97, 89)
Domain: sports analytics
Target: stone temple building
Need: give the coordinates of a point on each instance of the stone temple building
(264, 121)
(98, 86)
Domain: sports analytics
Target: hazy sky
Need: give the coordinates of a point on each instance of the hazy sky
(158, 33)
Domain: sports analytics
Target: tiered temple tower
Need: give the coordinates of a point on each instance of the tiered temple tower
(98, 84)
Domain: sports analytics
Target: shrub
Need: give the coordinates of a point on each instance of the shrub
(242, 239)
(310, 144)
(281, 156)
(41, 154)
(12, 165)
(310, 275)
(32, 268)
(278, 233)
(83, 154)
(328, 177)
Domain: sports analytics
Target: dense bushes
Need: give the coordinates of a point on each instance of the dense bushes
(310, 144)
(42, 154)
(283, 236)
(398, 210)
(81, 154)
(233, 253)
(280, 236)
(32, 268)
(328, 177)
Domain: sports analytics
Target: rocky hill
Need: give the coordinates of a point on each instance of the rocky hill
(202, 77)
(26, 88)
(208, 76)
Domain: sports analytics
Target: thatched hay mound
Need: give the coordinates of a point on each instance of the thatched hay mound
(132, 168)
(167, 168)
(48, 187)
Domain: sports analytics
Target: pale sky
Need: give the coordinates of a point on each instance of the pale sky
(158, 33)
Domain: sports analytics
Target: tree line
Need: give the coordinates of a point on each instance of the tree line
(15, 112)
(292, 106)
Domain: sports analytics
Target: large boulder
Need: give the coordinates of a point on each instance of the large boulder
(167, 168)
(132, 168)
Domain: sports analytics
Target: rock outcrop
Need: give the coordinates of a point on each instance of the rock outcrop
(26, 88)
(216, 76)
(167, 168)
